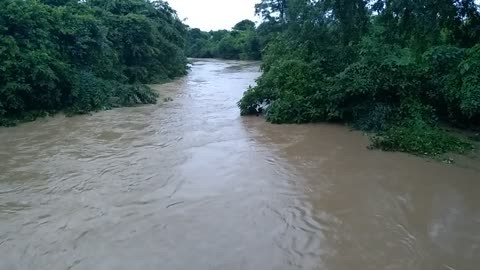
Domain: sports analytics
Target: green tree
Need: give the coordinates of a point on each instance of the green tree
(242, 42)
(391, 67)
(245, 25)
(272, 10)
(79, 56)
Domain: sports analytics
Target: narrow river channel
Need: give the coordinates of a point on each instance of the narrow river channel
(189, 184)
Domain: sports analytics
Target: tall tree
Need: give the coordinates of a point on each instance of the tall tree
(272, 10)
(245, 25)
(423, 23)
(352, 16)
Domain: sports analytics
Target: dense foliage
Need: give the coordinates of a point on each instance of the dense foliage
(81, 56)
(395, 68)
(242, 42)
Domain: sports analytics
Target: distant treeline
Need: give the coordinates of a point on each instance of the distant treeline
(244, 42)
(81, 56)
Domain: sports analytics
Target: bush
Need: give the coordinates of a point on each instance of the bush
(129, 95)
(90, 93)
(454, 78)
(419, 138)
(469, 94)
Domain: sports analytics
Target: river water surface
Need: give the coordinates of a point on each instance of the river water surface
(189, 184)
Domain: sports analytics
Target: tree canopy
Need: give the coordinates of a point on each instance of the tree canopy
(80, 56)
(396, 68)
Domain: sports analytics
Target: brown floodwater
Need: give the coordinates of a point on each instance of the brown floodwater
(189, 184)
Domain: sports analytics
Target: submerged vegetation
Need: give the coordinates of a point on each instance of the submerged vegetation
(398, 69)
(81, 56)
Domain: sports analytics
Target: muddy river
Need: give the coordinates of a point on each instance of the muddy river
(189, 184)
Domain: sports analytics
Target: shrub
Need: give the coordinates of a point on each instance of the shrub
(419, 138)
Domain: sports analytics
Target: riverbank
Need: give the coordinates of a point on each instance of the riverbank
(123, 96)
